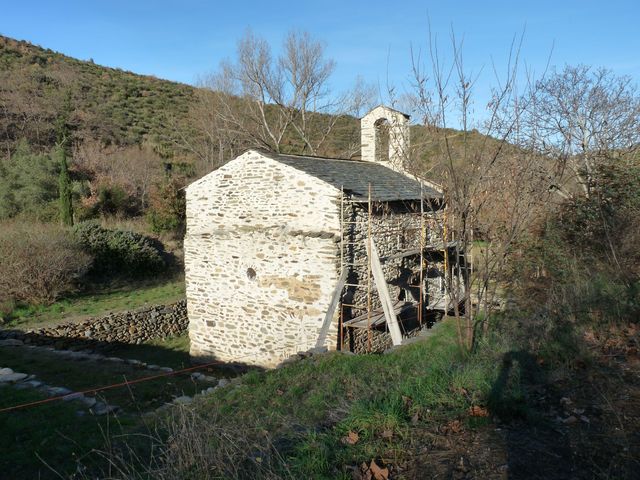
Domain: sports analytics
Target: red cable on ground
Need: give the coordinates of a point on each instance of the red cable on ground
(108, 387)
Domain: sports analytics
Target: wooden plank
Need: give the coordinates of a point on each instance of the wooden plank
(377, 316)
(328, 317)
(406, 253)
(383, 291)
(361, 321)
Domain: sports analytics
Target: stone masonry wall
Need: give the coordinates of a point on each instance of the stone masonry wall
(260, 261)
(393, 230)
(380, 339)
(133, 327)
(398, 136)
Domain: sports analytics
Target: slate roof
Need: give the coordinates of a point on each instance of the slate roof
(355, 176)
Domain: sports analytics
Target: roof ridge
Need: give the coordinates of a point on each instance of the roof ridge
(388, 184)
(321, 157)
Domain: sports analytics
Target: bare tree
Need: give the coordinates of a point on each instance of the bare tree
(277, 103)
(306, 94)
(25, 115)
(583, 117)
(492, 187)
(134, 169)
(208, 137)
(500, 175)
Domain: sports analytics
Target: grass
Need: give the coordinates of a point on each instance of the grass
(85, 375)
(55, 432)
(51, 433)
(303, 411)
(288, 422)
(83, 305)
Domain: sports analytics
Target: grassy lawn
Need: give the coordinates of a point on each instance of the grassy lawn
(113, 299)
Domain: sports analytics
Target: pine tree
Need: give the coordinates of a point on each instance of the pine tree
(64, 189)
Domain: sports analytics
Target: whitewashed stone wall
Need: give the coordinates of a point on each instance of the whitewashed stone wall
(260, 261)
(398, 144)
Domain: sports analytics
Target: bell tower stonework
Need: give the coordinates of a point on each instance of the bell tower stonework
(384, 137)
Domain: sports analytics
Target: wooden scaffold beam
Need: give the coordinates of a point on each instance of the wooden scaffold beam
(383, 291)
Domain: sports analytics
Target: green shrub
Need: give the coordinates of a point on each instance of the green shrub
(28, 185)
(38, 263)
(114, 200)
(118, 252)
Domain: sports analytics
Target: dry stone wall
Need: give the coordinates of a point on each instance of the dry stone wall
(131, 327)
(260, 261)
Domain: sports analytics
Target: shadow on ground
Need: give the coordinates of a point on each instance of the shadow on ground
(172, 352)
(581, 424)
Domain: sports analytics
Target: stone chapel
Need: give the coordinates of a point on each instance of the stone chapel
(282, 251)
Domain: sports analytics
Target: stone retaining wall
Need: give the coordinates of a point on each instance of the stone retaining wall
(132, 327)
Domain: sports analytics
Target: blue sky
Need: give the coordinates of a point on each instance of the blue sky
(185, 39)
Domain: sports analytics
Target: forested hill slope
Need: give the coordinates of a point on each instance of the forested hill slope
(109, 105)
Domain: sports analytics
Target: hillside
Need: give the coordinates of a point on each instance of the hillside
(125, 127)
(116, 107)
(110, 105)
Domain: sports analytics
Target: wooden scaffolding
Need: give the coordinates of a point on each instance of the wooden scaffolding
(423, 236)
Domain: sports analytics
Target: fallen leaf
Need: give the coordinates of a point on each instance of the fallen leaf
(407, 401)
(279, 392)
(386, 434)
(453, 426)
(478, 411)
(366, 472)
(378, 473)
(415, 419)
(351, 438)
